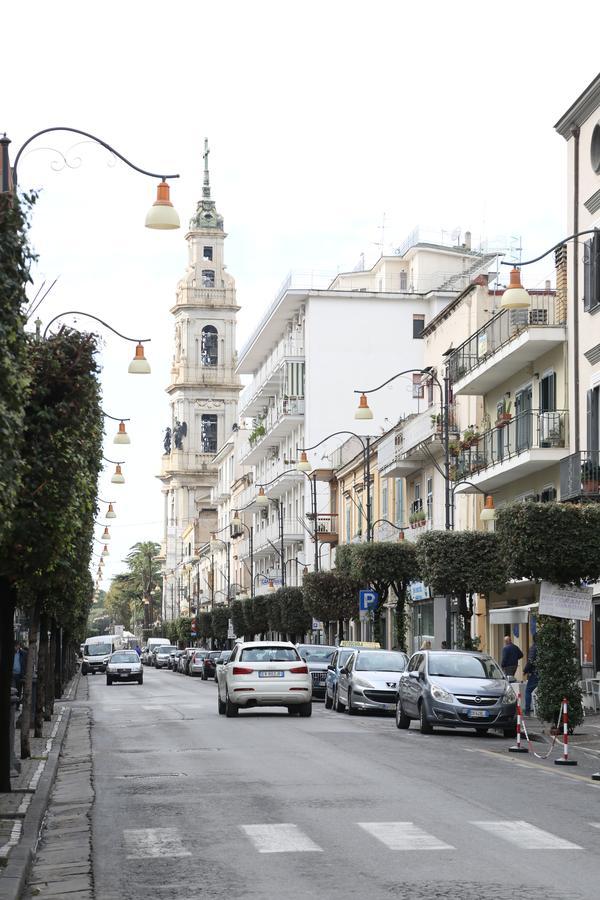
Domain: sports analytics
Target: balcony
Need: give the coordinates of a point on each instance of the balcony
(528, 443)
(267, 536)
(409, 447)
(580, 476)
(270, 378)
(326, 528)
(203, 375)
(505, 345)
(281, 419)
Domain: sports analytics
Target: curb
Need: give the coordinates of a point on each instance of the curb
(14, 876)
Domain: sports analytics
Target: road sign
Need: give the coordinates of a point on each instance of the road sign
(368, 600)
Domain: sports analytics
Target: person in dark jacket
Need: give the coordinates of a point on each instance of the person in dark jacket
(19, 666)
(532, 675)
(511, 654)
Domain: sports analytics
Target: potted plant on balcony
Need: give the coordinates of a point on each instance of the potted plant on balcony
(470, 437)
(485, 424)
(412, 519)
(258, 431)
(421, 518)
(504, 414)
(437, 421)
(454, 448)
(590, 476)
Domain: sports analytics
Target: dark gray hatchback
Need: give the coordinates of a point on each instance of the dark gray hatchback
(455, 689)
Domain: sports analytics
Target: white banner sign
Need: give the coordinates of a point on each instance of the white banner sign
(565, 602)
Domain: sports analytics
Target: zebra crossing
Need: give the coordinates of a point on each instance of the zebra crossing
(287, 837)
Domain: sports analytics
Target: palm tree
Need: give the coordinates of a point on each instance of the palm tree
(144, 575)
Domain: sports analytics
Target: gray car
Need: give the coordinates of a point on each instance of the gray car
(317, 658)
(369, 680)
(162, 656)
(455, 689)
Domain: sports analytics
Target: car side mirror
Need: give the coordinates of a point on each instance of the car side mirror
(413, 674)
(330, 668)
(512, 679)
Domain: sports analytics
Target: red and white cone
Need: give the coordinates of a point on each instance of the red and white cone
(564, 759)
(518, 748)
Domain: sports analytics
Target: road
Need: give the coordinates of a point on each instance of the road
(190, 804)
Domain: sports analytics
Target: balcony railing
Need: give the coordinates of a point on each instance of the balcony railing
(326, 527)
(291, 347)
(580, 476)
(502, 328)
(531, 430)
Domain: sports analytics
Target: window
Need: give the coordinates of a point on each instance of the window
(430, 499)
(591, 273)
(207, 254)
(403, 281)
(399, 500)
(209, 350)
(208, 434)
(418, 389)
(384, 498)
(208, 278)
(418, 325)
(548, 494)
(348, 520)
(593, 417)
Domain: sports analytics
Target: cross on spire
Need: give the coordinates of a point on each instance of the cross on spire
(206, 185)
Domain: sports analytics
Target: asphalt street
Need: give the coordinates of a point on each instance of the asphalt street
(191, 804)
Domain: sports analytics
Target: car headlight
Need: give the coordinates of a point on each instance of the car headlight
(509, 695)
(439, 693)
(360, 683)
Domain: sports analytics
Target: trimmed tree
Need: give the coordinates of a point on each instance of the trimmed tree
(238, 618)
(382, 565)
(220, 623)
(462, 563)
(331, 597)
(274, 612)
(295, 618)
(560, 543)
(205, 625)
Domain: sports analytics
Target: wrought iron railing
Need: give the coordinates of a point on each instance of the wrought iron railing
(580, 476)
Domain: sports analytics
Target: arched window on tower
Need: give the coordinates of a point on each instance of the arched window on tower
(208, 278)
(209, 351)
(208, 434)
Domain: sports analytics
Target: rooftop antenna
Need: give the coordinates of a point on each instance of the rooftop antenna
(519, 248)
(381, 228)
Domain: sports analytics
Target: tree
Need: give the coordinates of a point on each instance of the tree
(462, 563)
(295, 618)
(238, 618)
(331, 596)
(184, 629)
(558, 671)
(256, 616)
(120, 599)
(205, 625)
(145, 576)
(382, 565)
(220, 623)
(274, 612)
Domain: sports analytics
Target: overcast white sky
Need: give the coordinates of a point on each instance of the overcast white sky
(322, 117)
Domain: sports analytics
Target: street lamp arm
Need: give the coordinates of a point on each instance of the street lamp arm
(528, 262)
(114, 418)
(92, 137)
(113, 462)
(333, 434)
(77, 312)
(471, 484)
(427, 372)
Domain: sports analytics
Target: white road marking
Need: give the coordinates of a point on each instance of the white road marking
(404, 836)
(526, 836)
(153, 843)
(281, 838)
(13, 840)
(595, 824)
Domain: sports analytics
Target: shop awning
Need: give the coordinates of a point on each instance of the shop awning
(512, 615)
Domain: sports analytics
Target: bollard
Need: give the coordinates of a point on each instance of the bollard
(517, 748)
(564, 759)
(15, 764)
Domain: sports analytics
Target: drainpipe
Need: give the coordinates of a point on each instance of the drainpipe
(575, 135)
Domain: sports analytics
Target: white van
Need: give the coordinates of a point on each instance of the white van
(96, 651)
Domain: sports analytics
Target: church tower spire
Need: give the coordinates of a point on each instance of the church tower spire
(206, 215)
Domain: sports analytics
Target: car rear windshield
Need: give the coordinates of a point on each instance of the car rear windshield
(379, 661)
(163, 650)
(124, 656)
(98, 649)
(317, 654)
(458, 665)
(269, 654)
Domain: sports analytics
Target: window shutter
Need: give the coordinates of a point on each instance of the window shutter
(595, 270)
(587, 275)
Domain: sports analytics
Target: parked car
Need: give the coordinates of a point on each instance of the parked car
(151, 646)
(124, 665)
(338, 661)
(317, 658)
(209, 667)
(369, 680)
(184, 659)
(264, 673)
(161, 657)
(196, 664)
(221, 660)
(174, 661)
(455, 689)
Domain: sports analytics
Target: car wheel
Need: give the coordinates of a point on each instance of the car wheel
(402, 720)
(328, 701)
(292, 710)
(337, 704)
(221, 705)
(351, 710)
(305, 710)
(482, 731)
(141, 679)
(108, 680)
(509, 732)
(231, 709)
(424, 726)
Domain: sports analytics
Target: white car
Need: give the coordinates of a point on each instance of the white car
(264, 673)
(124, 665)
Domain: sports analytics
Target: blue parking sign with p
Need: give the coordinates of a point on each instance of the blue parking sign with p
(368, 600)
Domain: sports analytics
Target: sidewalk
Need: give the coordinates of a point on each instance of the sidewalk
(22, 811)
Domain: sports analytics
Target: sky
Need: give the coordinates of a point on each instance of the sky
(325, 121)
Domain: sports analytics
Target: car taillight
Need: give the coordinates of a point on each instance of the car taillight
(242, 670)
(299, 670)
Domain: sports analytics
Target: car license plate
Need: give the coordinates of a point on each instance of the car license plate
(478, 713)
(271, 674)
(123, 671)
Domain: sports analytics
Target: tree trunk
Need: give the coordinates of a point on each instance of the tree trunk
(340, 631)
(400, 619)
(7, 652)
(58, 663)
(466, 612)
(26, 717)
(50, 673)
(40, 703)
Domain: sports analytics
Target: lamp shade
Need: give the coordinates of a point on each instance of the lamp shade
(236, 522)
(215, 543)
(118, 477)
(105, 551)
(515, 296)
(162, 215)
(110, 513)
(363, 411)
(105, 534)
(270, 585)
(139, 365)
(303, 463)
(261, 499)
(488, 513)
(121, 437)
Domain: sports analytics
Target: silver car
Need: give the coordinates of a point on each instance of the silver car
(369, 680)
(196, 663)
(124, 665)
(162, 656)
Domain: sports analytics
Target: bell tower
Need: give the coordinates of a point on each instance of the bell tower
(204, 388)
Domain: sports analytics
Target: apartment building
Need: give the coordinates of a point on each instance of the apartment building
(314, 345)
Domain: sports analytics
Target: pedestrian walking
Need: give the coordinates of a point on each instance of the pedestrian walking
(19, 666)
(532, 675)
(138, 649)
(511, 654)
